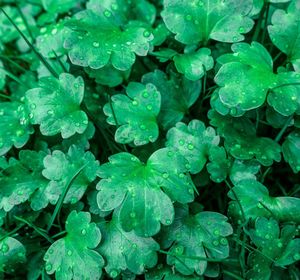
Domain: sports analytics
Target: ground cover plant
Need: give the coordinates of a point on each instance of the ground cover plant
(150, 139)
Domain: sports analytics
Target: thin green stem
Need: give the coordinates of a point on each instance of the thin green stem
(258, 24)
(5, 96)
(12, 76)
(63, 195)
(265, 23)
(283, 129)
(37, 229)
(237, 200)
(25, 21)
(234, 276)
(11, 232)
(40, 57)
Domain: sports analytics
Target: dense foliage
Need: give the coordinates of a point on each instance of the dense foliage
(150, 139)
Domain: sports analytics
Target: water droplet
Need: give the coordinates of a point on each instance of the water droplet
(51, 251)
(1, 112)
(168, 221)
(165, 175)
(83, 232)
(188, 17)
(242, 29)
(215, 242)
(146, 33)
(294, 98)
(145, 94)
(54, 31)
(73, 200)
(85, 122)
(190, 146)
(216, 232)
(279, 244)
(70, 253)
(181, 142)
(50, 112)
(296, 256)
(20, 192)
(23, 121)
(30, 115)
(107, 13)
(191, 191)
(32, 106)
(128, 43)
(188, 166)
(5, 248)
(149, 107)
(134, 103)
(48, 267)
(20, 132)
(132, 214)
(223, 241)
(181, 175)
(179, 250)
(134, 246)
(142, 127)
(114, 7)
(235, 39)
(43, 29)
(267, 236)
(96, 44)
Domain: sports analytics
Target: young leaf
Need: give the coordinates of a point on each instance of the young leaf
(74, 256)
(195, 238)
(291, 150)
(144, 192)
(284, 32)
(256, 202)
(125, 250)
(20, 179)
(97, 39)
(12, 253)
(47, 105)
(195, 21)
(251, 70)
(241, 140)
(276, 247)
(61, 167)
(193, 141)
(15, 128)
(219, 165)
(177, 96)
(194, 65)
(136, 114)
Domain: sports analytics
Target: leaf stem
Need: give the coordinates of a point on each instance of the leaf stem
(40, 57)
(37, 229)
(63, 195)
(237, 200)
(232, 275)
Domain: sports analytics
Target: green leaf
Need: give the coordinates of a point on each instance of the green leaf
(73, 257)
(15, 128)
(250, 69)
(97, 39)
(276, 247)
(124, 10)
(241, 140)
(144, 192)
(219, 165)
(20, 179)
(177, 96)
(284, 32)
(244, 169)
(136, 114)
(194, 65)
(64, 5)
(256, 202)
(50, 42)
(195, 21)
(193, 141)
(125, 250)
(61, 167)
(195, 238)
(291, 150)
(48, 109)
(108, 75)
(12, 253)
